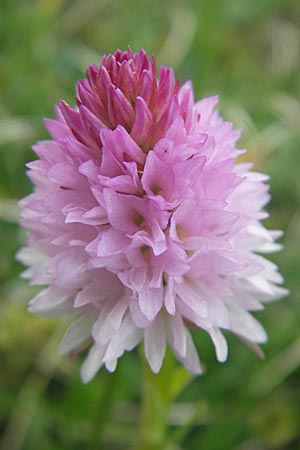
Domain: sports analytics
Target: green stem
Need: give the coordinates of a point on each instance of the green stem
(156, 401)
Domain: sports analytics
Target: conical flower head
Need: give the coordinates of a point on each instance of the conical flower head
(142, 223)
(123, 91)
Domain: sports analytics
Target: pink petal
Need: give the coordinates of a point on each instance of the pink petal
(150, 301)
(92, 363)
(155, 344)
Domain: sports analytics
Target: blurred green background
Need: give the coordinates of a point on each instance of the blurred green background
(248, 51)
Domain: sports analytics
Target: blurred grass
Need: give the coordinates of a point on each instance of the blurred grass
(248, 52)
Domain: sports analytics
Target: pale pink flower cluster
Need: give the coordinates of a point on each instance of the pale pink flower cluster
(142, 224)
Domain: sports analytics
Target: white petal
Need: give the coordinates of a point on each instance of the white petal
(150, 301)
(189, 314)
(220, 344)
(270, 247)
(278, 293)
(100, 333)
(115, 317)
(177, 334)
(218, 314)
(69, 268)
(89, 294)
(109, 321)
(35, 259)
(30, 256)
(244, 324)
(139, 319)
(111, 365)
(119, 340)
(191, 360)
(155, 344)
(128, 343)
(259, 230)
(51, 302)
(133, 339)
(170, 296)
(261, 283)
(76, 334)
(92, 363)
(193, 299)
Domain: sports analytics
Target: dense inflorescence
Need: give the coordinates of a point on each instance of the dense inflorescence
(142, 223)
